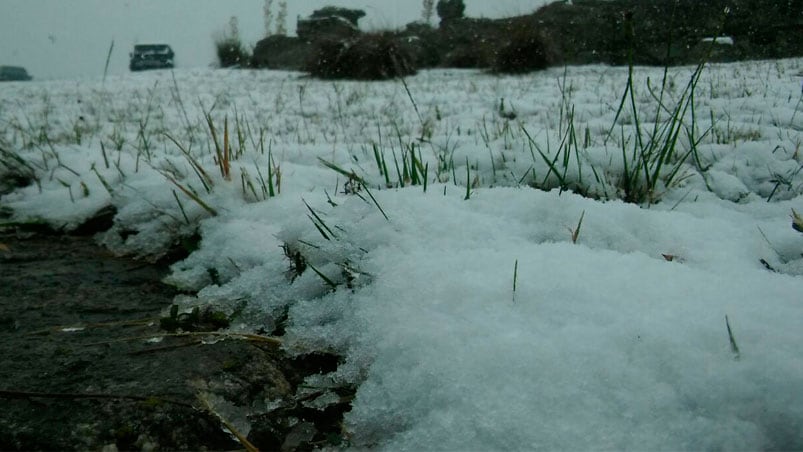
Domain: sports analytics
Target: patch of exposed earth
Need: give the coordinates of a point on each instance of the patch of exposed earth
(85, 364)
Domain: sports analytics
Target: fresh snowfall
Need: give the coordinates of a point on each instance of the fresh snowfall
(581, 258)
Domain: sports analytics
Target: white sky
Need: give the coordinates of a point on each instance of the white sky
(63, 39)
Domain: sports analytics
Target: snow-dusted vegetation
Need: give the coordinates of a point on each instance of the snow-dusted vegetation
(520, 262)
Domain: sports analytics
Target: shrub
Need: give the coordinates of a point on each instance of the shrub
(528, 49)
(352, 15)
(449, 10)
(231, 53)
(466, 56)
(420, 42)
(374, 56)
(229, 48)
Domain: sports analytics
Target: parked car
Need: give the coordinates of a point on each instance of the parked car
(151, 56)
(13, 73)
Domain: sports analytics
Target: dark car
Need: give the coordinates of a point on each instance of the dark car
(13, 73)
(151, 56)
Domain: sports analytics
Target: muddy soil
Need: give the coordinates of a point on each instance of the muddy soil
(79, 369)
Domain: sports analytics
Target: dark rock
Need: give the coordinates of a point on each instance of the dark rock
(281, 52)
(101, 221)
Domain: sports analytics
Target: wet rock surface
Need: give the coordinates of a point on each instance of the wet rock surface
(81, 368)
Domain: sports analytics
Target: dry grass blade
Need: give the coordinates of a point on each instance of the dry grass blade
(229, 426)
(224, 165)
(219, 154)
(576, 231)
(8, 394)
(350, 174)
(74, 328)
(202, 174)
(193, 196)
(734, 347)
(165, 348)
(797, 221)
(325, 278)
(272, 341)
(515, 278)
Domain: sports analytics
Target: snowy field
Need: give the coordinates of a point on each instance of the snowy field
(505, 263)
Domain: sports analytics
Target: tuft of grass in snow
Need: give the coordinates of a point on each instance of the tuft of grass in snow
(576, 231)
(654, 161)
(223, 156)
(356, 184)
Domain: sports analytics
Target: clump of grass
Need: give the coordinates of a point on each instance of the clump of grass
(372, 56)
(655, 161)
(20, 171)
(565, 165)
(410, 171)
(301, 254)
(224, 154)
(357, 182)
(413, 171)
(653, 157)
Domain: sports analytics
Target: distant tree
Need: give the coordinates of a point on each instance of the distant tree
(449, 10)
(281, 19)
(427, 9)
(267, 13)
(234, 27)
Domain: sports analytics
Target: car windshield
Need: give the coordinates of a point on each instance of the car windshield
(151, 49)
(10, 70)
(401, 225)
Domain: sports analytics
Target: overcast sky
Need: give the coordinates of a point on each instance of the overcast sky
(71, 38)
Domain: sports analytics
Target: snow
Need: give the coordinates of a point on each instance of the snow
(722, 40)
(467, 319)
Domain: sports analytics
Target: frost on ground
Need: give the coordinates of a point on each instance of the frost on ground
(473, 311)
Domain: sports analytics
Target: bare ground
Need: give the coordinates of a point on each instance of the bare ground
(77, 371)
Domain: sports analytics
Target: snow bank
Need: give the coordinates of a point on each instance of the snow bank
(466, 324)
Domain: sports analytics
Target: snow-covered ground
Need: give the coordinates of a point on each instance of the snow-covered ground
(490, 308)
